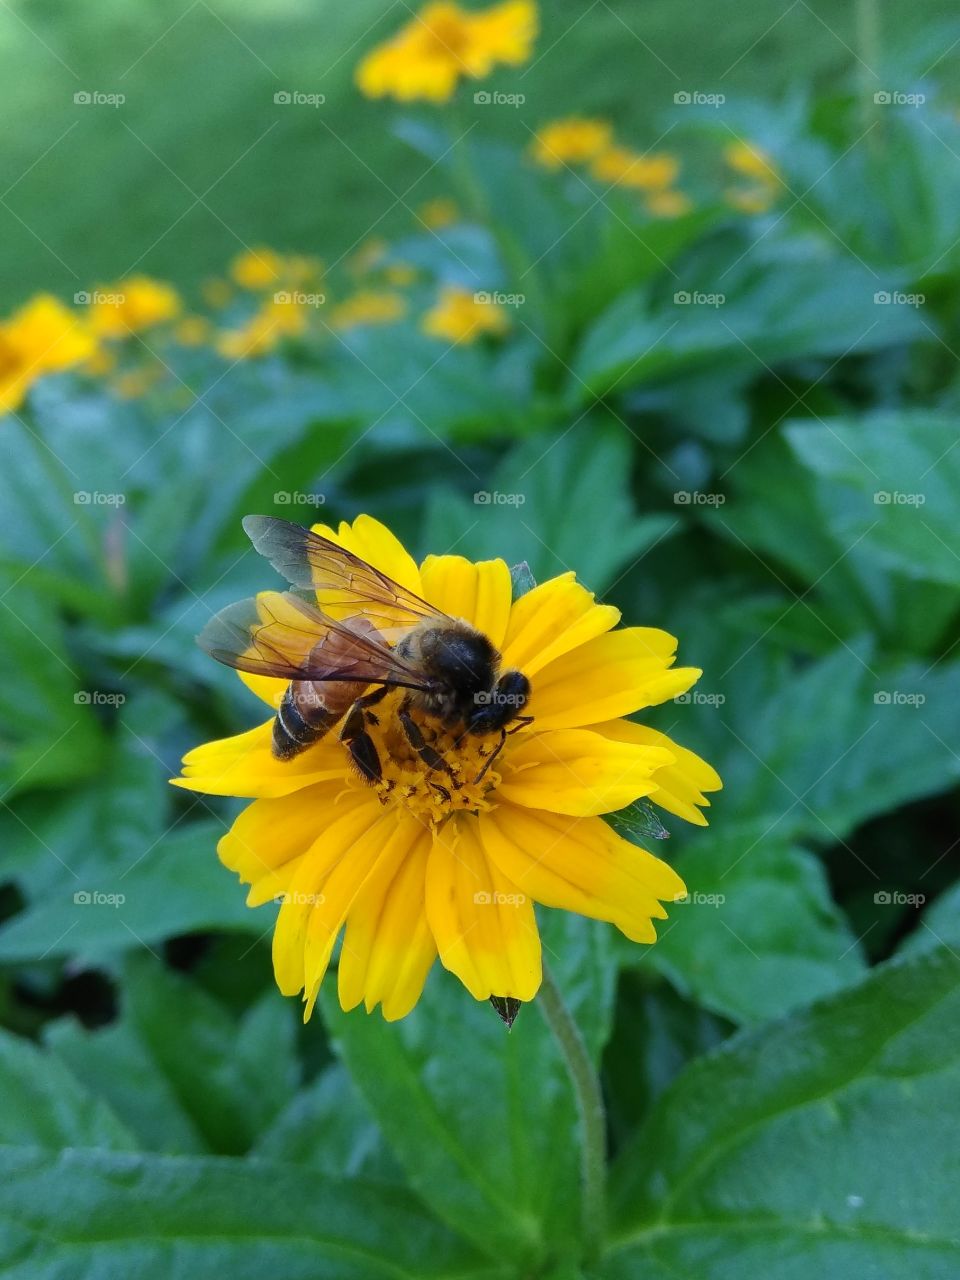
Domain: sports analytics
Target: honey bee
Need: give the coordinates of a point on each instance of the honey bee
(365, 630)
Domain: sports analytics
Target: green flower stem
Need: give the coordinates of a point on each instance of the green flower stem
(593, 1121)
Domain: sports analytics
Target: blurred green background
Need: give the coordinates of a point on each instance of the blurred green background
(734, 415)
(199, 160)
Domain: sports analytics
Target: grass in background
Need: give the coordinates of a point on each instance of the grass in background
(199, 159)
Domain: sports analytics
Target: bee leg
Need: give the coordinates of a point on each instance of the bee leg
(520, 723)
(358, 742)
(492, 756)
(430, 757)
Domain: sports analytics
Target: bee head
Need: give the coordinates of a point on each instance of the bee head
(496, 707)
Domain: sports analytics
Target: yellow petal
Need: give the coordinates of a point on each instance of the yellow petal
(479, 593)
(578, 772)
(373, 542)
(552, 619)
(484, 925)
(245, 765)
(679, 784)
(580, 865)
(267, 688)
(612, 675)
(387, 946)
(313, 908)
(267, 840)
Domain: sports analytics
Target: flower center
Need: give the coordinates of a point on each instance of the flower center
(445, 773)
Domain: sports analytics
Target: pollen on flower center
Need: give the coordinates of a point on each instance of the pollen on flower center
(466, 781)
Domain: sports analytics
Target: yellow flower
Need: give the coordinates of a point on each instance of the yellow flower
(571, 141)
(751, 161)
(462, 316)
(132, 305)
(216, 293)
(134, 383)
(43, 336)
(442, 43)
(399, 274)
(369, 306)
(272, 322)
(626, 168)
(439, 213)
(368, 256)
(423, 864)
(668, 204)
(193, 331)
(257, 269)
(751, 199)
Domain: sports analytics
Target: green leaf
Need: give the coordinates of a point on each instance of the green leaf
(43, 1104)
(889, 484)
(483, 1119)
(817, 1146)
(328, 1127)
(767, 308)
(105, 1214)
(519, 516)
(177, 886)
(179, 1069)
(758, 934)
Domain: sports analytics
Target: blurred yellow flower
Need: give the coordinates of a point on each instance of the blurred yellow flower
(413, 868)
(369, 306)
(439, 213)
(43, 336)
(751, 199)
(193, 331)
(134, 383)
(751, 161)
(216, 293)
(668, 204)
(626, 168)
(272, 322)
(367, 256)
(570, 141)
(459, 315)
(399, 274)
(260, 268)
(442, 43)
(132, 305)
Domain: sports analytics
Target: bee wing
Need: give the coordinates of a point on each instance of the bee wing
(345, 584)
(280, 634)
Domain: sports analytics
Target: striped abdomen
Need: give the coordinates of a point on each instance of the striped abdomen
(308, 710)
